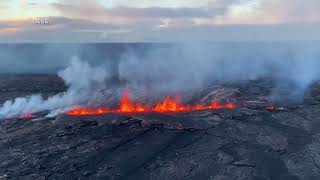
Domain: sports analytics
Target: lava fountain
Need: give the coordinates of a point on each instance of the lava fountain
(167, 105)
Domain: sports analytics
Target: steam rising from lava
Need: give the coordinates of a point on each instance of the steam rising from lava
(83, 81)
(167, 105)
(178, 68)
(292, 68)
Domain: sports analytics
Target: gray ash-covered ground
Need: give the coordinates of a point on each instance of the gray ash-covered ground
(248, 142)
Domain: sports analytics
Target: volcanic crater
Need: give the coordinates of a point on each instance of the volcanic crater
(252, 139)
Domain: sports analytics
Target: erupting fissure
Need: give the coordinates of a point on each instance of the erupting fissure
(126, 105)
(27, 116)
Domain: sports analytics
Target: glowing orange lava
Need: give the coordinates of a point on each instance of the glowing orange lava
(270, 108)
(169, 104)
(78, 111)
(27, 116)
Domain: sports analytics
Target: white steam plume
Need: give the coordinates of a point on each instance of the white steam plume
(191, 66)
(80, 78)
(179, 68)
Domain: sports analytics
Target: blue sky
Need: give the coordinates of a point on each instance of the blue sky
(159, 21)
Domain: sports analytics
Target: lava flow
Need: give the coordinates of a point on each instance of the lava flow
(26, 116)
(169, 104)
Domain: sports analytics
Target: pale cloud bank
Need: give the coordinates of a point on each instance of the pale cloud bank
(139, 20)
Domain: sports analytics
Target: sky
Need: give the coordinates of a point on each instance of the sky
(159, 21)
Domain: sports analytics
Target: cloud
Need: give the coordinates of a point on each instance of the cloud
(26, 4)
(80, 9)
(4, 5)
(214, 12)
(93, 10)
(123, 14)
(74, 30)
(91, 20)
(271, 12)
(63, 29)
(291, 10)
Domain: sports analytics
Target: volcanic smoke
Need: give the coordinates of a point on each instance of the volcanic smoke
(126, 105)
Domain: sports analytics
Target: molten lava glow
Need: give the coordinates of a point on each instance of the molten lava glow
(78, 111)
(126, 105)
(270, 108)
(169, 105)
(27, 116)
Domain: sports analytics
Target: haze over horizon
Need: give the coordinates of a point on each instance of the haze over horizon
(159, 21)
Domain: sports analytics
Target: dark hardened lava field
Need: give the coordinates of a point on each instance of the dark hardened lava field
(245, 143)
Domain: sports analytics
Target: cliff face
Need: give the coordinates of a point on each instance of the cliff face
(249, 142)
